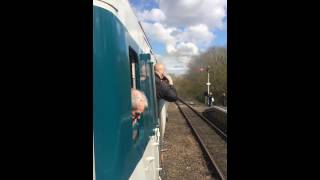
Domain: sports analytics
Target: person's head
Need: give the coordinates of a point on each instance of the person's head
(159, 69)
(139, 103)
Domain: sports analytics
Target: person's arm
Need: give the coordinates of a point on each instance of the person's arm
(168, 92)
(166, 76)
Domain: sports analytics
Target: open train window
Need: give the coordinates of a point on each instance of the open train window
(133, 57)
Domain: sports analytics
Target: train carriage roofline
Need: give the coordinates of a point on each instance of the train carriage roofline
(123, 11)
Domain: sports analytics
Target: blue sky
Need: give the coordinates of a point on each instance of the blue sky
(176, 37)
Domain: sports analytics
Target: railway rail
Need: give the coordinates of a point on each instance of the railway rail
(212, 140)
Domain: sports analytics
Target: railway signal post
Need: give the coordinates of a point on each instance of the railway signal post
(208, 84)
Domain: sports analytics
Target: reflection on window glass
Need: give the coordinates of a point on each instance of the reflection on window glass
(133, 57)
(143, 72)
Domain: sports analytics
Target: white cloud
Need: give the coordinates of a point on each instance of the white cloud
(198, 34)
(154, 15)
(185, 49)
(185, 27)
(193, 12)
(179, 49)
(170, 48)
(176, 61)
(175, 64)
(158, 32)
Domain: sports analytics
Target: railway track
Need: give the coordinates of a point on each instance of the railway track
(212, 140)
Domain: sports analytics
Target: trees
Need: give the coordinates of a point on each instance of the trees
(192, 85)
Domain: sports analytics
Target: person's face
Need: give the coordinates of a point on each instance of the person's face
(160, 71)
(136, 113)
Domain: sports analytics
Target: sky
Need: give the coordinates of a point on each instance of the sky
(181, 29)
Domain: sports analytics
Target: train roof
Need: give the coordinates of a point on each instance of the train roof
(123, 11)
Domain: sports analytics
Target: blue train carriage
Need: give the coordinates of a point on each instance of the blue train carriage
(122, 59)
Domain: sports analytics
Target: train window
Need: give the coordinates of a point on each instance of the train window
(133, 57)
(143, 72)
(133, 67)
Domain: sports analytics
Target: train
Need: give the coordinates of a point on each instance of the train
(123, 59)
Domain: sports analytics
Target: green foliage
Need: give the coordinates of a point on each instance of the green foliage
(192, 85)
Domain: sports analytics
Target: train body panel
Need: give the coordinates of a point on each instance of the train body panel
(117, 46)
(147, 168)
